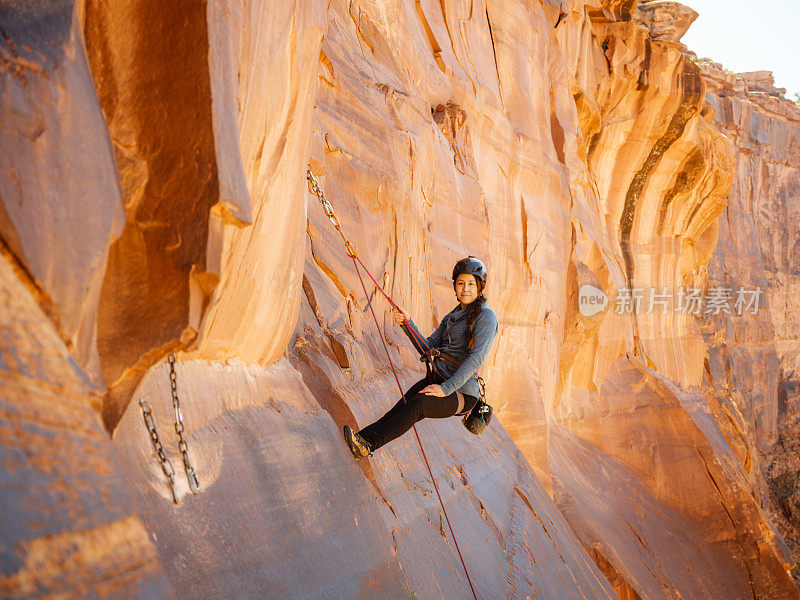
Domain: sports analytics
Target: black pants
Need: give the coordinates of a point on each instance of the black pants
(416, 406)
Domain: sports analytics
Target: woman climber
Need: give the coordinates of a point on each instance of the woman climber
(454, 352)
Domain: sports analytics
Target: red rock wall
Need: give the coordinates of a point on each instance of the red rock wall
(752, 361)
(69, 529)
(559, 141)
(152, 80)
(653, 444)
(56, 145)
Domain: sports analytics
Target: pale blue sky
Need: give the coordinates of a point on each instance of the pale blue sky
(745, 35)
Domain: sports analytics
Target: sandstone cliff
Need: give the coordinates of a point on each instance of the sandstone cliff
(752, 363)
(153, 199)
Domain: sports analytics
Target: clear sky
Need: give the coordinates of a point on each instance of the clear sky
(747, 35)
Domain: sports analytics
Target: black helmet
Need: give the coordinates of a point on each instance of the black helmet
(471, 266)
(478, 418)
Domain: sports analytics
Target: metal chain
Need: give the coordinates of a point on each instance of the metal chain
(194, 484)
(166, 465)
(350, 249)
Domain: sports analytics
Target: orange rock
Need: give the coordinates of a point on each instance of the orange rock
(565, 144)
(151, 71)
(66, 528)
(753, 359)
(60, 202)
(667, 21)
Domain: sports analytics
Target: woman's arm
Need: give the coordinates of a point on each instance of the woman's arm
(433, 341)
(484, 330)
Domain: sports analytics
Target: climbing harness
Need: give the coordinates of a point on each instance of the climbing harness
(352, 252)
(166, 465)
(477, 420)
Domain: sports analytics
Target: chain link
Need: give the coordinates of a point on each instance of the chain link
(350, 249)
(147, 412)
(166, 465)
(194, 484)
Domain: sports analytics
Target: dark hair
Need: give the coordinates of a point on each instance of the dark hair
(474, 310)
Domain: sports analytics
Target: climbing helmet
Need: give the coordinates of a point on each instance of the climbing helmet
(471, 266)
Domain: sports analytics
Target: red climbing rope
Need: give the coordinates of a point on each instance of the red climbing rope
(352, 252)
(417, 337)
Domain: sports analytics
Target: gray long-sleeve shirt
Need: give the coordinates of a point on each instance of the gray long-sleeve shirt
(451, 338)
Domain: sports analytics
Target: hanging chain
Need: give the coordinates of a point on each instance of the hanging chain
(350, 250)
(482, 387)
(166, 465)
(194, 484)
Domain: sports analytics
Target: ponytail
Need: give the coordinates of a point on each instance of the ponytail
(474, 309)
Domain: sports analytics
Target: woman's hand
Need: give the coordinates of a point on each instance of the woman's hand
(433, 390)
(400, 316)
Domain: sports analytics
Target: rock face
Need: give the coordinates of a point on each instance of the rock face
(763, 224)
(60, 200)
(568, 144)
(667, 21)
(164, 151)
(68, 529)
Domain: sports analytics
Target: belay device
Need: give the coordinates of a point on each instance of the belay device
(481, 414)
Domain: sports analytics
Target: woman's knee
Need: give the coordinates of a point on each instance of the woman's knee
(416, 404)
(438, 407)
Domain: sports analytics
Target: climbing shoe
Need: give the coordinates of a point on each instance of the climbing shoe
(358, 445)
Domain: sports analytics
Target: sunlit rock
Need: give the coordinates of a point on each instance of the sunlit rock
(576, 147)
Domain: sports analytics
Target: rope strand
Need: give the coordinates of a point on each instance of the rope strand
(416, 336)
(416, 433)
(352, 252)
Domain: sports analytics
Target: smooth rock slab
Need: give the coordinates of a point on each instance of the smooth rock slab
(284, 509)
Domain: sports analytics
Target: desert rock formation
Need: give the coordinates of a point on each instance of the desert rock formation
(753, 363)
(153, 199)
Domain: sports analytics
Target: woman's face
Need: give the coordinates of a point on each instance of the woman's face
(466, 288)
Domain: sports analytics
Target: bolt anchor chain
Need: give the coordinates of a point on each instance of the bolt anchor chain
(166, 464)
(194, 484)
(350, 249)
